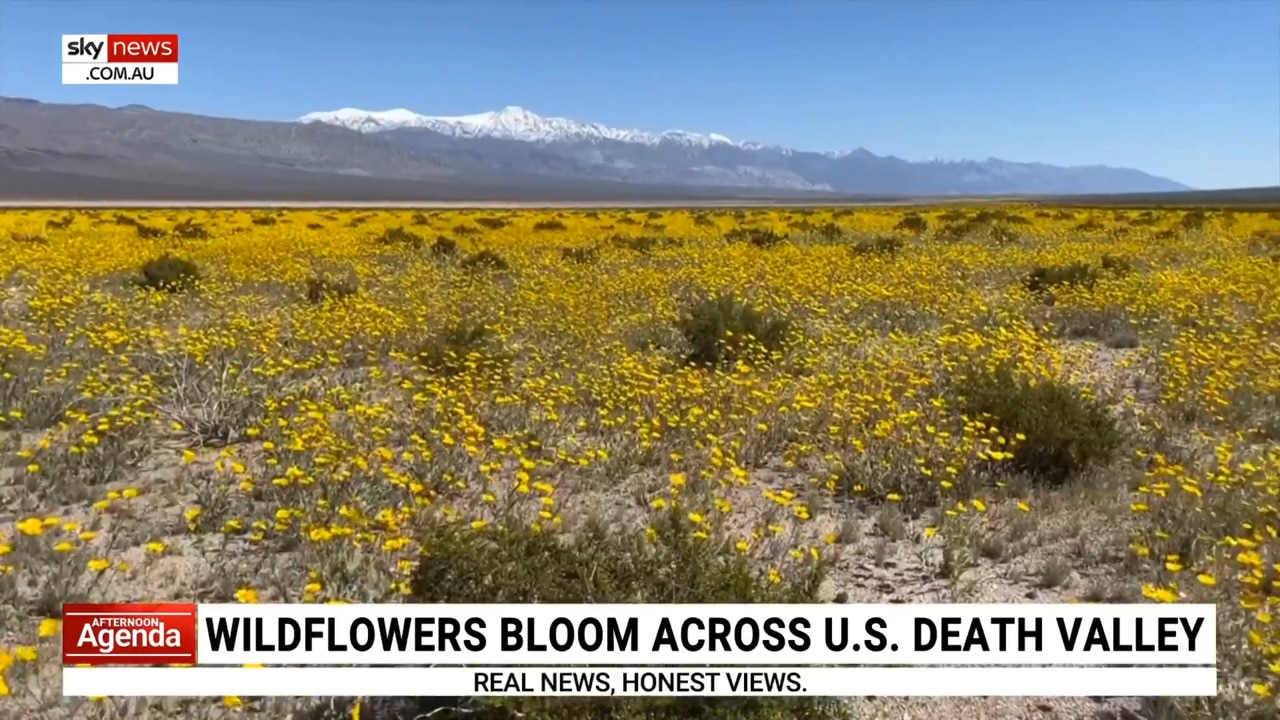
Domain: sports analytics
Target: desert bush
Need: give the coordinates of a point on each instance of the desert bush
(149, 232)
(830, 231)
(959, 230)
(419, 218)
(457, 347)
(1194, 220)
(465, 229)
(634, 243)
(315, 226)
(264, 220)
(27, 238)
(724, 329)
(1116, 266)
(491, 223)
(399, 236)
(760, 237)
(655, 337)
(1043, 279)
(1123, 339)
(596, 564)
(884, 245)
(990, 216)
(169, 273)
(549, 225)
(912, 223)
(485, 260)
(580, 255)
(1264, 242)
(1060, 432)
(444, 246)
(190, 230)
(324, 288)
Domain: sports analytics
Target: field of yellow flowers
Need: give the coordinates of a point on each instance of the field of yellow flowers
(1013, 404)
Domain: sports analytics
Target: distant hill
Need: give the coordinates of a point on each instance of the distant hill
(518, 139)
(84, 151)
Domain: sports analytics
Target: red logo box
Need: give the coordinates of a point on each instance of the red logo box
(129, 634)
(142, 48)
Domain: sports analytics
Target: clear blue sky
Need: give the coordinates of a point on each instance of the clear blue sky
(1187, 90)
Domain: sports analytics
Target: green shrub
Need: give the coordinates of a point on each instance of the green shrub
(959, 230)
(1066, 432)
(598, 564)
(264, 220)
(1125, 339)
(322, 289)
(1194, 220)
(760, 237)
(912, 223)
(722, 330)
(886, 245)
(1043, 279)
(60, 224)
(1116, 266)
(400, 236)
(459, 347)
(634, 243)
(190, 230)
(26, 238)
(553, 224)
(148, 232)
(444, 246)
(169, 273)
(491, 223)
(419, 218)
(485, 260)
(580, 255)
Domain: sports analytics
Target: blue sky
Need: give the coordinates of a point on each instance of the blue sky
(1187, 90)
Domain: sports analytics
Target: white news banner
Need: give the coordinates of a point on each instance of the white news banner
(639, 682)
(682, 635)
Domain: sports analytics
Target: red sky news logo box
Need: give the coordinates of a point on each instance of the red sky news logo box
(129, 634)
(120, 59)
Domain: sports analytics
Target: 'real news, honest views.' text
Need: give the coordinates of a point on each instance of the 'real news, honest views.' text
(120, 59)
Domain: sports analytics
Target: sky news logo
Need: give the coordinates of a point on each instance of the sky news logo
(120, 59)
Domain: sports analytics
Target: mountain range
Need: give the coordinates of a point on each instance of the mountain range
(512, 153)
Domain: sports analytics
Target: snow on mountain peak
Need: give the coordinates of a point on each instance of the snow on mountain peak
(510, 123)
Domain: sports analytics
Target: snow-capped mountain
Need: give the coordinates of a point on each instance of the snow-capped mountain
(518, 140)
(509, 123)
(509, 153)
